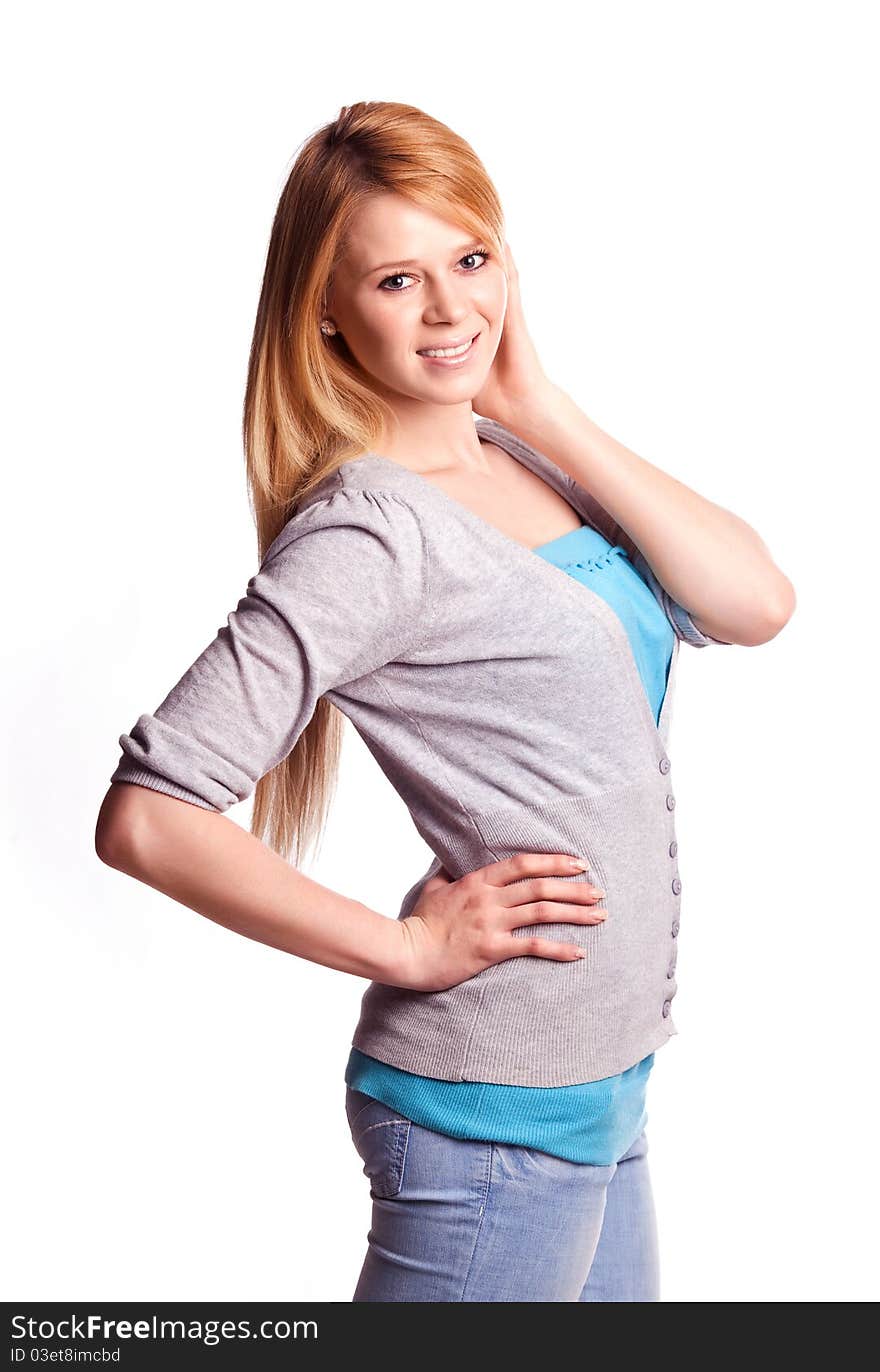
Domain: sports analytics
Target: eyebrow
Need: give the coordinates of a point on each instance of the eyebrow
(410, 261)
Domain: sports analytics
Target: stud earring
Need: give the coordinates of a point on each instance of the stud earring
(327, 327)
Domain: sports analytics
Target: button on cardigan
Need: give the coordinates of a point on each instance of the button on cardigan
(502, 700)
(593, 1122)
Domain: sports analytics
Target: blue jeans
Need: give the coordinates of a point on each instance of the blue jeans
(466, 1220)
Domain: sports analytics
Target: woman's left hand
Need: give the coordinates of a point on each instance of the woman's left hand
(516, 380)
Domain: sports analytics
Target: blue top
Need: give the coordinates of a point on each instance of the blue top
(595, 1121)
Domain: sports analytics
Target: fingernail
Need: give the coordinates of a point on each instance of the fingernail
(578, 865)
(594, 890)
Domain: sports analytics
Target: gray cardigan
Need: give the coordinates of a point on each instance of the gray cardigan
(502, 700)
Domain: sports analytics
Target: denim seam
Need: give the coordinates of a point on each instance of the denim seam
(383, 1124)
(402, 1144)
(487, 1181)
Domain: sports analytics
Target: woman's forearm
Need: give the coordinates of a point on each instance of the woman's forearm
(210, 864)
(708, 558)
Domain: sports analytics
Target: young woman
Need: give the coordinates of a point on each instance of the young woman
(497, 606)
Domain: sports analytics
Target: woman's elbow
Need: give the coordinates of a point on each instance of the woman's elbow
(781, 608)
(777, 612)
(120, 827)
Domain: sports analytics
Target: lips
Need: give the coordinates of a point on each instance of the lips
(462, 343)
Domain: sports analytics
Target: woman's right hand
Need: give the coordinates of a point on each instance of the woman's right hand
(459, 928)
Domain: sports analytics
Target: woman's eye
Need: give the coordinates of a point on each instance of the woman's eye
(398, 276)
(402, 276)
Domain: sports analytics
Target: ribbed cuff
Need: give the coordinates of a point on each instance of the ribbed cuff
(141, 776)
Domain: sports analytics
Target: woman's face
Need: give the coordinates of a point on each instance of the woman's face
(410, 280)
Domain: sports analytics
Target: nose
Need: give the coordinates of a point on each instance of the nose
(447, 303)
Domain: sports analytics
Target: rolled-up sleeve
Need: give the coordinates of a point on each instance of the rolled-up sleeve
(340, 593)
(680, 619)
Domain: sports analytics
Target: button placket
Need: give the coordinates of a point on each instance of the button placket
(675, 884)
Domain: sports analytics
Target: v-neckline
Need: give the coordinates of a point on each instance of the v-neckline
(554, 476)
(466, 509)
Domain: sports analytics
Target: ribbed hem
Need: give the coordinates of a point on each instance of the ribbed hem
(424, 1060)
(594, 1123)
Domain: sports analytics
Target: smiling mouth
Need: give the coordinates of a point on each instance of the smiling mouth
(460, 351)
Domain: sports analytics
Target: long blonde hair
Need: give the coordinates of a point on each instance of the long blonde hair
(308, 405)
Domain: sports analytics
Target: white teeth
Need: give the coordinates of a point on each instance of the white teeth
(445, 352)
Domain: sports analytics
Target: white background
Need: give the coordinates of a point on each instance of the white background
(689, 194)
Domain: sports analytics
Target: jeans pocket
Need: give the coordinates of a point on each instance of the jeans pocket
(381, 1137)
